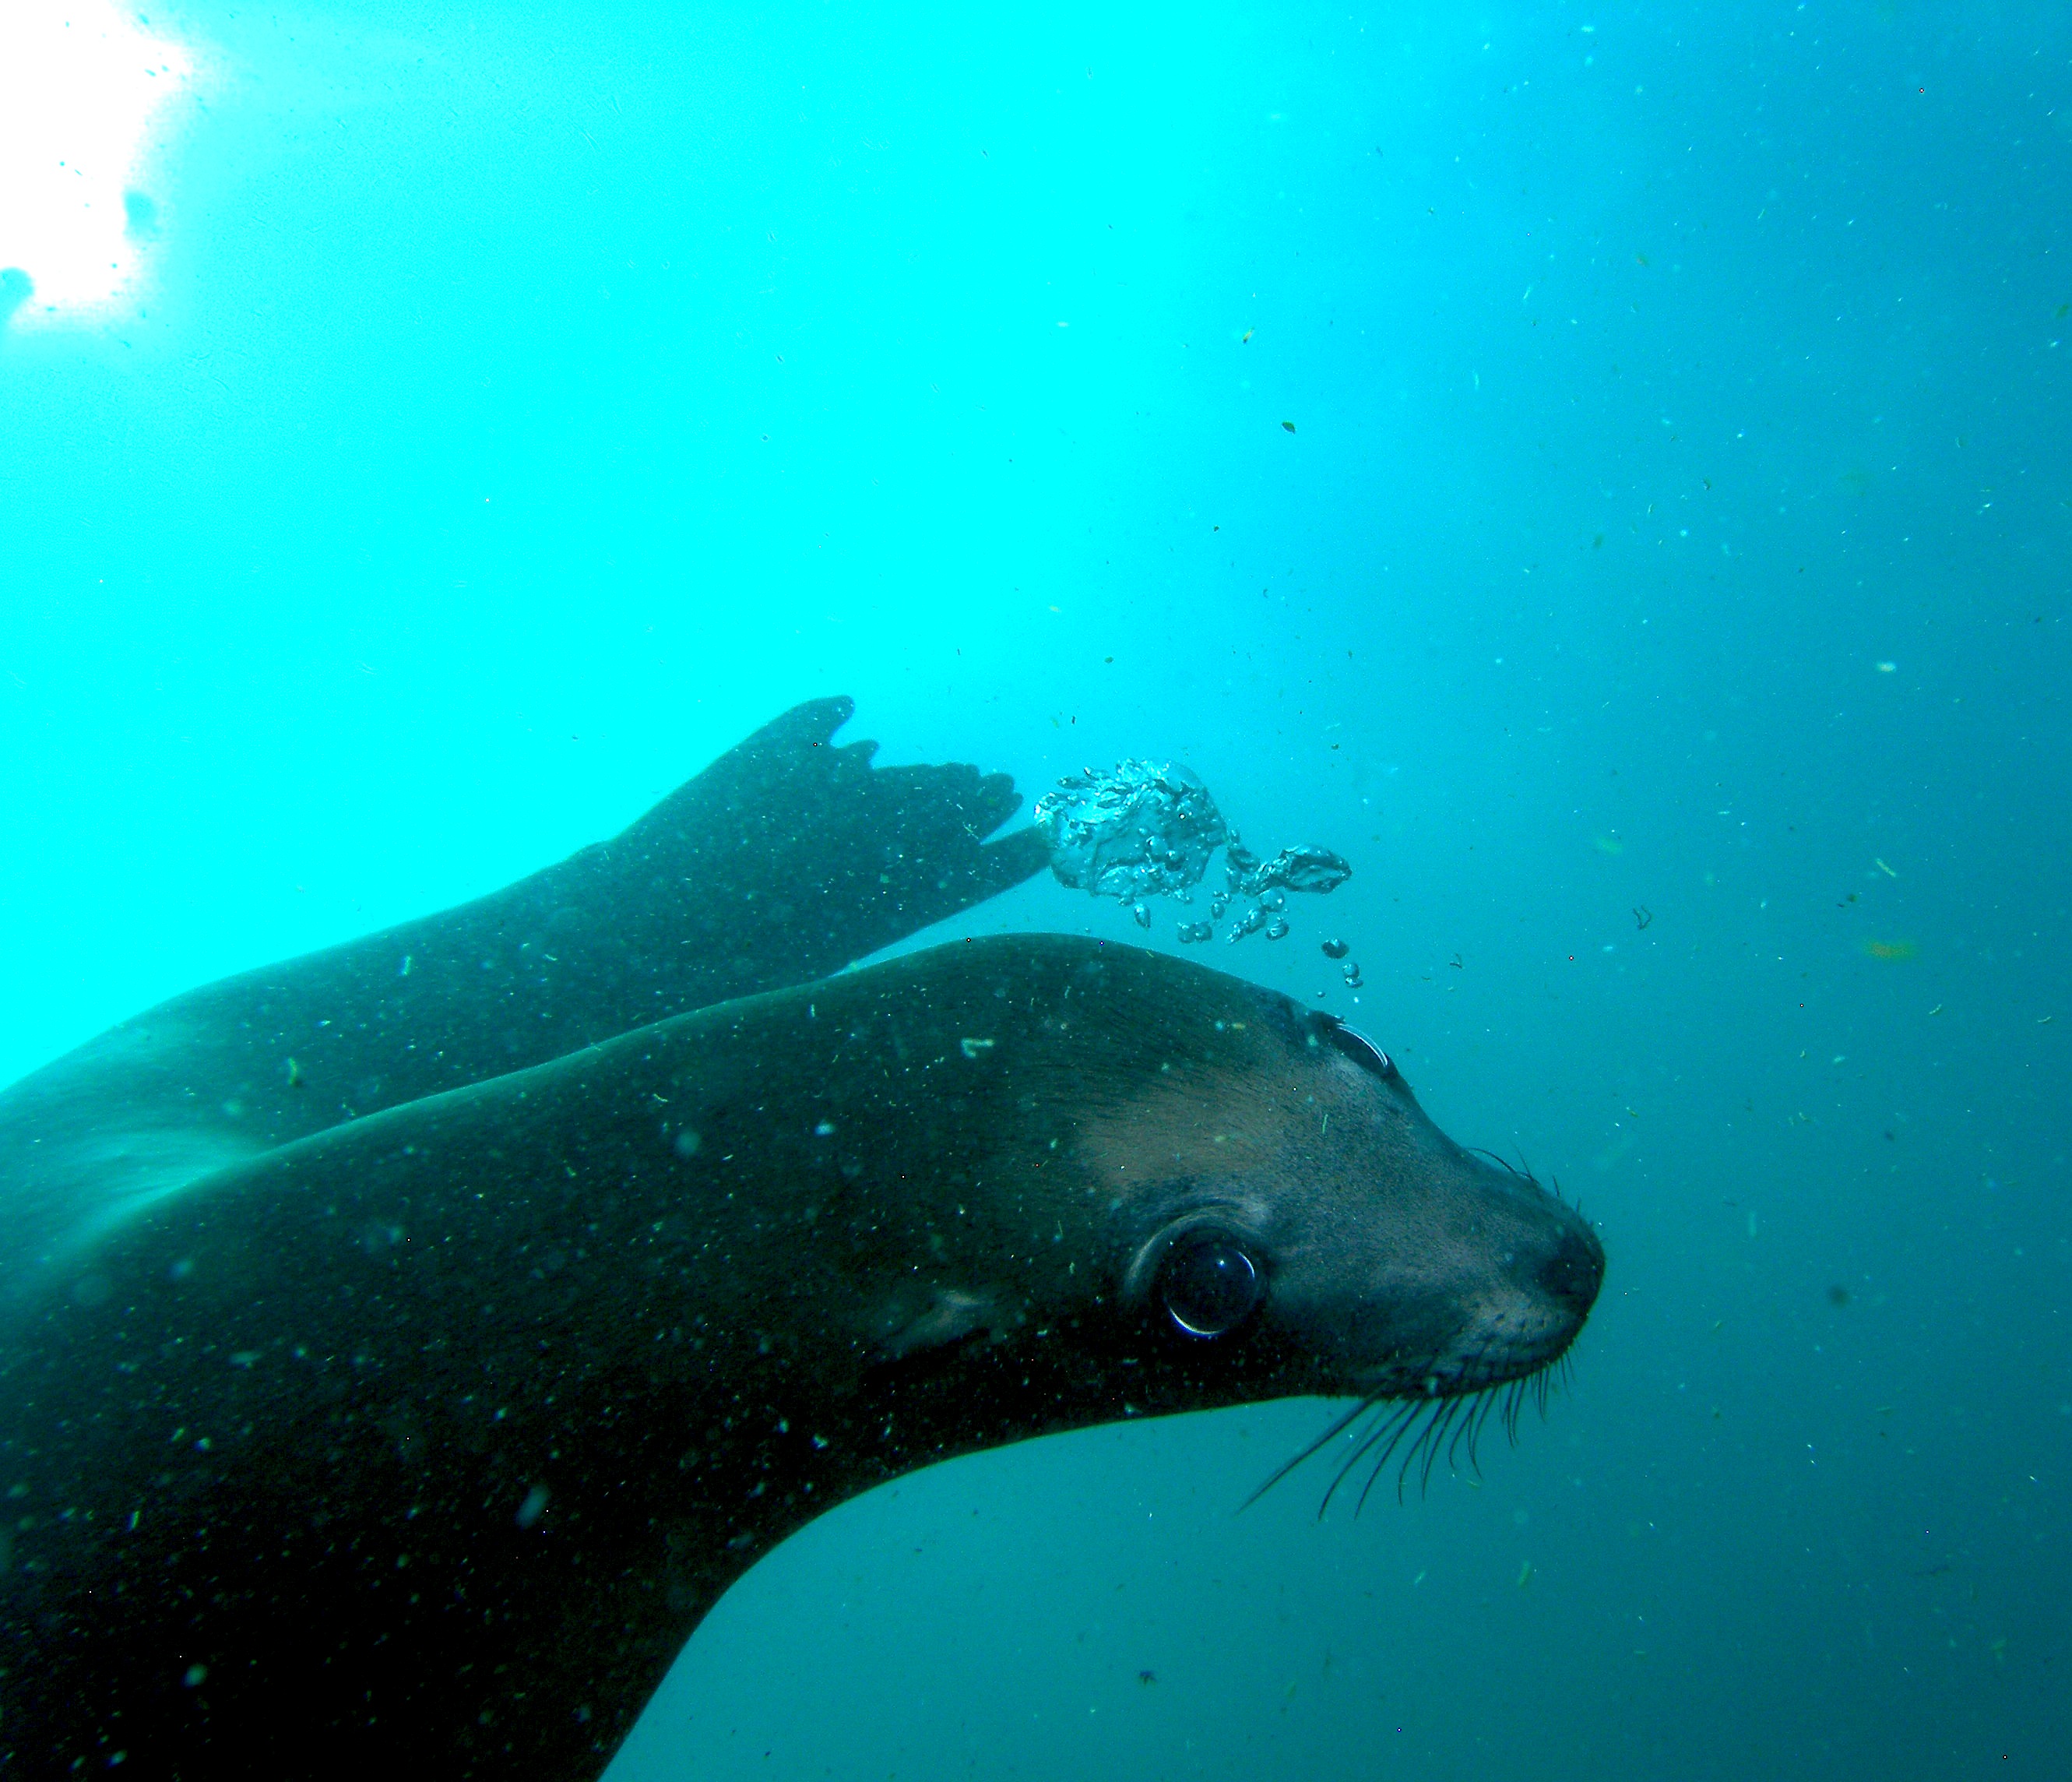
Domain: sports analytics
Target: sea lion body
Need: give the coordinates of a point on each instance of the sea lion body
(512, 1382)
(424, 1437)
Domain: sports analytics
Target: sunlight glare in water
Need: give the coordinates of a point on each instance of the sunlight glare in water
(79, 86)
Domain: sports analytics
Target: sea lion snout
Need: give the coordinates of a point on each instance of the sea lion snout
(1434, 1291)
(1502, 1275)
(1573, 1274)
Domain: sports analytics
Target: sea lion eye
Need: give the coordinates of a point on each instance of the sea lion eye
(1209, 1285)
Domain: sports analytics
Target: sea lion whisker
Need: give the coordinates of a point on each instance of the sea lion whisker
(1468, 1405)
(1417, 1442)
(1436, 1433)
(1497, 1158)
(1499, 1402)
(1360, 1444)
(1404, 1423)
(1486, 1401)
(1337, 1427)
(1514, 1402)
(1387, 1428)
(1462, 1424)
(1522, 1169)
(1366, 1441)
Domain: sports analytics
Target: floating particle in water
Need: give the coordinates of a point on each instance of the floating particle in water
(1351, 973)
(1192, 931)
(1278, 929)
(1336, 949)
(1217, 904)
(1145, 830)
(1141, 913)
(534, 1507)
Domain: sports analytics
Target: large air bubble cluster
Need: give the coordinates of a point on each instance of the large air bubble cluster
(1148, 829)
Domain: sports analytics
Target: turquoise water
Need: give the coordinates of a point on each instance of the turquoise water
(1587, 466)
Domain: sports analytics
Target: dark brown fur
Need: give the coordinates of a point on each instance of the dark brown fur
(424, 1444)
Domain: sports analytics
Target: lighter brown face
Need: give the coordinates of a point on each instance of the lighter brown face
(1325, 1215)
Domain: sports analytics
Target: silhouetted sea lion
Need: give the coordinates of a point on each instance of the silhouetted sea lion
(425, 1440)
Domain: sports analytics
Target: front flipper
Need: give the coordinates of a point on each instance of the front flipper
(783, 860)
(791, 857)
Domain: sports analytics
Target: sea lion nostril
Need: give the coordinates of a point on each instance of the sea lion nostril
(1575, 1271)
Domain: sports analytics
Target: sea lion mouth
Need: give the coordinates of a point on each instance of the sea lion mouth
(1519, 1330)
(1412, 1409)
(1502, 1360)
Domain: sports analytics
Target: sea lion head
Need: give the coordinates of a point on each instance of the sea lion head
(1194, 1192)
(1355, 1245)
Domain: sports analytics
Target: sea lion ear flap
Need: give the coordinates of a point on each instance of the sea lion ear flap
(954, 1318)
(1361, 1049)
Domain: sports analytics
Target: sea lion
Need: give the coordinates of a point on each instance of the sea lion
(426, 1439)
(786, 859)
